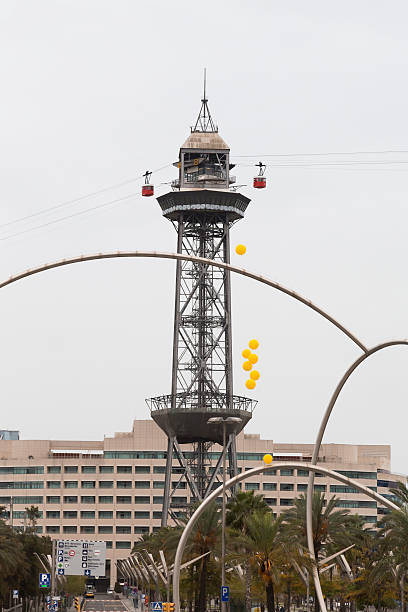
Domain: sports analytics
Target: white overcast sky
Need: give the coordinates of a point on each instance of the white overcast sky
(93, 92)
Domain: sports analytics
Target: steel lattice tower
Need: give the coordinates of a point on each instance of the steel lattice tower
(202, 207)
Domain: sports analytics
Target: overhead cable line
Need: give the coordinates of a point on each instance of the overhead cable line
(76, 200)
(324, 154)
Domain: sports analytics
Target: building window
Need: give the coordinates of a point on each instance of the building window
(124, 469)
(142, 484)
(70, 514)
(159, 469)
(367, 475)
(71, 484)
(35, 484)
(252, 486)
(32, 469)
(69, 529)
(70, 499)
(123, 514)
(108, 544)
(70, 469)
(123, 545)
(271, 501)
(54, 469)
(105, 499)
(87, 529)
(286, 472)
(285, 486)
(53, 499)
(286, 502)
(105, 529)
(123, 529)
(156, 515)
(177, 484)
(142, 499)
(141, 530)
(87, 499)
(27, 500)
(124, 484)
(320, 488)
(105, 514)
(143, 514)
(87, 514)
(157, 499)
(106, 469)
(123, 499)
(21, 514)
(88, 484)
(52, 529)
(270, 472)
(88, 469)
(303, 472)
(370, 519)
(157, 484)
(179, 500)
(142, 469)
(342, 489)
(269, 486)
(53, 514)
(346, 503)
(53, 484)
(106, 484)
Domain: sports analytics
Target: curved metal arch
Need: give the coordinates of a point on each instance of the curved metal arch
(243, 476)
(316, 450)
(183, 257)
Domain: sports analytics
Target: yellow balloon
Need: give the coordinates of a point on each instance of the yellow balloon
(246, 353)
(267, 458)
(254, 375)
(247, 365)
(253, 344)
(250, 384)
(240, 249)
(253, 358)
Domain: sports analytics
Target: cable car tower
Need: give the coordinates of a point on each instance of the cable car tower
(202, 206)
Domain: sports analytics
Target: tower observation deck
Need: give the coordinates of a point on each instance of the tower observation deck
(202, 207)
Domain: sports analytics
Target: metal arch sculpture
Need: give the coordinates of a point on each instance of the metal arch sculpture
(182, 257)
(316, 450)
(178, 256)
(243, 476)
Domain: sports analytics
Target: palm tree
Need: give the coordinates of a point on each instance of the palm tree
(329, 524)
(264, 546)
(205, 538)
(240, 508)
(395, 529)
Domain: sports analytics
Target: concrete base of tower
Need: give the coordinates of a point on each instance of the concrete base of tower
(191, 424)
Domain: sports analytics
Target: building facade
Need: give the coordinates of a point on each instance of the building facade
(112, 490)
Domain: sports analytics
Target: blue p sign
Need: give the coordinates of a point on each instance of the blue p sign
(225, 593)
(45, 580)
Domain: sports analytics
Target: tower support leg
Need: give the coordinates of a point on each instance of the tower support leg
(167, 482)
(232, 459)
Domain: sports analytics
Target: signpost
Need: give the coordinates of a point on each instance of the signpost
(45, 581)
(225, 593)
(80, 558)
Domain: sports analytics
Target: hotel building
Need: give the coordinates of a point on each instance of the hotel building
(112, 489)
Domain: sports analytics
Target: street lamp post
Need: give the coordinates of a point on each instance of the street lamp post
(225, 421)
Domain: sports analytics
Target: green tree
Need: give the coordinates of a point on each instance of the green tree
(328, 522)
(240, 508)
(264, 546)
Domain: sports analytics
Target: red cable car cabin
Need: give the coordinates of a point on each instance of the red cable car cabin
(147, 190)
(259, 182)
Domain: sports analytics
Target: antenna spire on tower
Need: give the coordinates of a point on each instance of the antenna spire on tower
(204, 121)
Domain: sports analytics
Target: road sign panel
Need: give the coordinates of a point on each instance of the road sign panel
(157, 606)
(45, 581)
(81, 558)
(225, 593)
(15, 594)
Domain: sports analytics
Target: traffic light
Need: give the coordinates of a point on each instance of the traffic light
(77, 604)
(168, 606)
